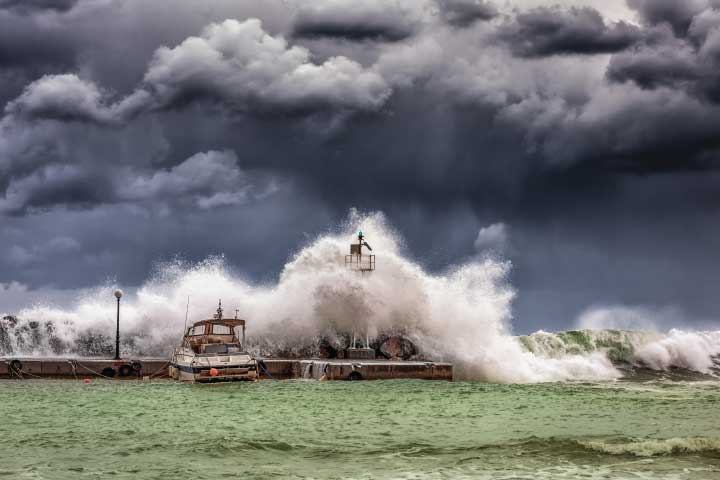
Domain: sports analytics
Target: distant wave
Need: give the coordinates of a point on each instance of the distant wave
(650, 448)
(694, 351)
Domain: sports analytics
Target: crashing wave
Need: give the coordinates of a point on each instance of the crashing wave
(695, 351)
(651, 448)
(462, 315)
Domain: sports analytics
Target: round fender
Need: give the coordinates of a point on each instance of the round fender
(355, 376)
(108, 372)
(125, 370)
(15, 366)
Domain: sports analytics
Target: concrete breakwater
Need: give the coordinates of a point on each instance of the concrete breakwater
(271, 368)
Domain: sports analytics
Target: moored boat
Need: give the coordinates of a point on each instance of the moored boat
(212, 351)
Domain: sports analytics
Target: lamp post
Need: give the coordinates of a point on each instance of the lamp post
(118, 295)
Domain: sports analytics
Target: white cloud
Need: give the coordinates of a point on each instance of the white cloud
(622, 317)
(492, 239)
(68, 97)
(210, 179)
(241, 64)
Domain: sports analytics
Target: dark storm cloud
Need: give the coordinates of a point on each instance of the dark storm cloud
(677, 14)
(344, 19)
(30, 6)
(463, 13)
(557, 31)
(51, 186)
(652, 67)
(130, 135)
(235, 63)
(65, 98)
(690, 63)
(206, 180)
(25, 42)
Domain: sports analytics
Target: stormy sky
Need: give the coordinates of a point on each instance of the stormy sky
(578, 139)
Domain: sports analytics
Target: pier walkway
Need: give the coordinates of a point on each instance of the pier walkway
(270, 368)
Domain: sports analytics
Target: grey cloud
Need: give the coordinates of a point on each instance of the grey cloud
(463, 13)
(210, 179)
(555, 31)
(235, 63)
(246, 68)
(69, 98)
(623, 130)
(27, 43)
(24, 255)
(690, 63)
(652, 67)
(676, 13)
(352, 20)
(30, 6)
(52, 186)
(205, 180)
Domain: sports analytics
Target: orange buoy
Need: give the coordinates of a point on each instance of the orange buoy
(214, 372)
(87, 380)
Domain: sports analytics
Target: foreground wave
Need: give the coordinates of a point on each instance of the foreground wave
(385, 429)
(462, 315)
(649, 448)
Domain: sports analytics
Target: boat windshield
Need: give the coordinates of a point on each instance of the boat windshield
(218, 329)
(221, 348)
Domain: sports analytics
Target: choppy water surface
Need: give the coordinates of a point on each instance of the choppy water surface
(388, 429)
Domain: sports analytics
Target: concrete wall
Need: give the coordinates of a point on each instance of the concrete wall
(279, 369)
(87, 367)
(375, 370)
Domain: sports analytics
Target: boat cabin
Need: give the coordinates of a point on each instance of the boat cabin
(216, 336)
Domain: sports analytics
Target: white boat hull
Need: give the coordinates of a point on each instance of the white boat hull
(187, 367)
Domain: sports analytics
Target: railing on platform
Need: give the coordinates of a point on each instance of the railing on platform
(360, 263)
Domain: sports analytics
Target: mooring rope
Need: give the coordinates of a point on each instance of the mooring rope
(161, 369)
(264, 368)
(72, 365)
(93, 371)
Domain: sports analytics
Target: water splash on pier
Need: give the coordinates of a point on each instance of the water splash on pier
(462, 315)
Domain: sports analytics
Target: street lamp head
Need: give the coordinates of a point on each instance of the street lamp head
(118, 293)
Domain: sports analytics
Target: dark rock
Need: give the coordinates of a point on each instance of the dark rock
(397, 347)
(326, 349)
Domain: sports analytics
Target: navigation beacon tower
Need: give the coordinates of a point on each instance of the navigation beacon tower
(363, 263)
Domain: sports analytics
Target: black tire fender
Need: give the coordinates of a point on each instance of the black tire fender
(108, 372)
(15, 366)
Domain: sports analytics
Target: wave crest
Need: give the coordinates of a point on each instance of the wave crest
(650, 448)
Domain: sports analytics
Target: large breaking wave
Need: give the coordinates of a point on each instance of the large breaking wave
(462, 315)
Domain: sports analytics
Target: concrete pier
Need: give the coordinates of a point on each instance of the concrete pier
(81, 367)
(271, 368)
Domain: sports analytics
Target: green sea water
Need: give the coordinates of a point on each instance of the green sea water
(385, 429)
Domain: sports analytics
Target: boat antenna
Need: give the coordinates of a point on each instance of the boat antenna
(187, 310)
